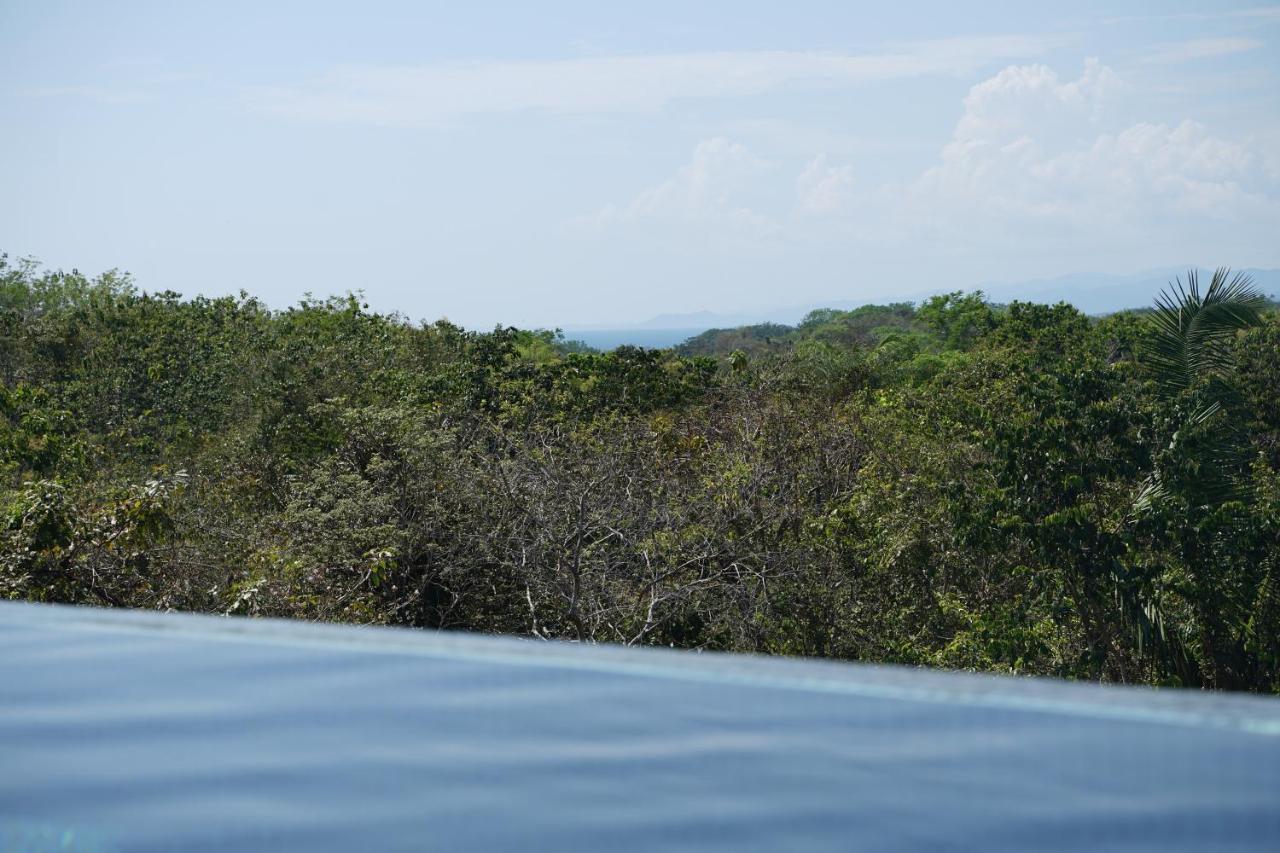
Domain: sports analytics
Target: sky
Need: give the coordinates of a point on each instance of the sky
(564, 164)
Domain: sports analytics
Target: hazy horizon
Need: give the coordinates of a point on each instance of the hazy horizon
(575, 166)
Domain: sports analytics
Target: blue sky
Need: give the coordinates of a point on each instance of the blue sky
(563, 164)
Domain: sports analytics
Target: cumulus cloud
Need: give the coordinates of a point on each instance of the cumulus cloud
(822, 188)
(1031, 99)
(1032, 146)
(425, 95)
(1034, 159)
(709, 190)
(1181, 168)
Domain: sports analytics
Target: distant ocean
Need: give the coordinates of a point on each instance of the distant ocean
(607, 339)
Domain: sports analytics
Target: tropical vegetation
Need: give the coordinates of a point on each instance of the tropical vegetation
(1009, 488)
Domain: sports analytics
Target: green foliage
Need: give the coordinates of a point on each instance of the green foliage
(959, 319)
(1013, 488)
(1193, 331)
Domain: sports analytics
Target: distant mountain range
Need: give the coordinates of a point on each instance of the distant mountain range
(1093, 293)
(1097, 293)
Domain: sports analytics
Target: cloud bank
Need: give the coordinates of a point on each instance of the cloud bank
(1030, 151)
(1032, 156)
(434, 94)
(1031, 146)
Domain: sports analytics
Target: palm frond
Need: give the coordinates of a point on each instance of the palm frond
(1193, 330)
(1142, 614)
(1152, 493)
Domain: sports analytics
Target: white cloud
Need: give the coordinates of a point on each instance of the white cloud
(426, 95)
(1161, 168)
(1030, 147)
(1025, 99)
(707, 190)
(1194, 49)
(98, 94)
(1035, 162)
(822, 188)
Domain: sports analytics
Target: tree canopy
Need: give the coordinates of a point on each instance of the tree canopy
(1012, 488)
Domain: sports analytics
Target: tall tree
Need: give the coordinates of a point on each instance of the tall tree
(1199, 467)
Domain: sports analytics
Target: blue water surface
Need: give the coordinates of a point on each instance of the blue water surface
(123, 731)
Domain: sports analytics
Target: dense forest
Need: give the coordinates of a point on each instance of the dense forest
(1013, 488)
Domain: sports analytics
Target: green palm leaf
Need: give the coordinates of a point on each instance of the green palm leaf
(1189, 356)
(1193, 330)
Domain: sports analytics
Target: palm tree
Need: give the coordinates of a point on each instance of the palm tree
(1189, 357)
